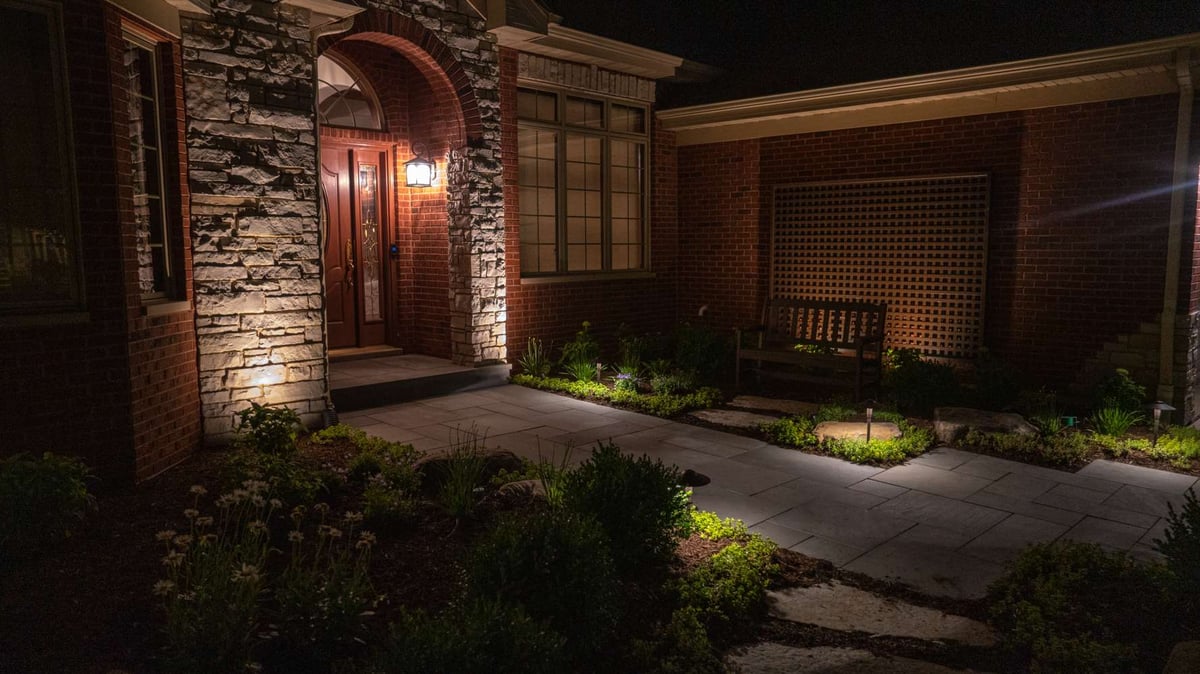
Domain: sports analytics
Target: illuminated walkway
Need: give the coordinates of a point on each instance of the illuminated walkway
(944, 522)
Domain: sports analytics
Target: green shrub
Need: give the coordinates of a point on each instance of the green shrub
(658, 404)
(1118, 447)
(681, 646)
(1115, 420)
(913, 441)
(1180, 545)
(1065, 449)
(626, 382)
(704, 351)
(834, 412)
(710, 526)
(1119, 390)
(729, 591)
(268, 430)
(793, 431)
(675, 382)
(1047, 424)
(631, 350)
(323, 596)
(535, 362)
(1178, 442)
(394, 462)
(659, 367)
(639, 503)
(918, 386)
(555, 564)
(42, 500)
(480, 637)
(338, 432)
(1071, 607)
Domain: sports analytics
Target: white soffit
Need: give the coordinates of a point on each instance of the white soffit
(1127, 71)
(573, 45)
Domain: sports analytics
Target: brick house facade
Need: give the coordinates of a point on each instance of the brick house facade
(203, 175)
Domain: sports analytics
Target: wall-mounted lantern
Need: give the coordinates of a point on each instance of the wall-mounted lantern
(419, 171)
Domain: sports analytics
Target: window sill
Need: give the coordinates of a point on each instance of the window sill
(36, 320)
(165, 308)
(591, 277)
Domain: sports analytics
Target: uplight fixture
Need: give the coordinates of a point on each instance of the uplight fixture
(419, 171)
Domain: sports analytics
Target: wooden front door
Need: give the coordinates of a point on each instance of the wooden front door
(354, 184)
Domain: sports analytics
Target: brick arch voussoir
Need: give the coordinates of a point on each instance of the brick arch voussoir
(432, 58)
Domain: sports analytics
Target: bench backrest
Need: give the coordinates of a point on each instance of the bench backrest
(823, 322)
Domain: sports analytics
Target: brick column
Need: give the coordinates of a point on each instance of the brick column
(252, 169)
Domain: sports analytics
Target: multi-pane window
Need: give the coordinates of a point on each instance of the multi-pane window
(39, 243)
(582, 179)
(156, 268)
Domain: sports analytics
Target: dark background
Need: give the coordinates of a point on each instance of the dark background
(773, 46)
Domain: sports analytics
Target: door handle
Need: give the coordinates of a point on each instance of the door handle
(348, 277)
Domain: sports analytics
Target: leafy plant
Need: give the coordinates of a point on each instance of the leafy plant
(702, 350)
(659, 367)
(1180, 545)
(287, 478)
(730, 590)
(556, 565)
(1066, 449)
(1072, 607)
(216, 574)
(389, 464)
(1115, 420)
(626, 382)
(1119, 390)
(1178, 442)
(583, 349)
(268, 430)
(681, 646)
(793, 431)
(710, 526)
(834, 412)
(912, 442)
(477, 637)
(1121, 446)
(580, 370)
(323, 596)
(631, 350)
(674, 382)
(42, 501)
(658, 404)
(535, 362)
(463, 474)
(639, 503)
(917, 386)
(1048, 424)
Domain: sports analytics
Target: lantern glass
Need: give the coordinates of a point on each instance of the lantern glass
(419, 172)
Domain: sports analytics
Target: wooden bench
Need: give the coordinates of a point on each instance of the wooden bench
(841, 342)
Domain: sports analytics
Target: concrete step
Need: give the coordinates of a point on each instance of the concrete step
(364, 396)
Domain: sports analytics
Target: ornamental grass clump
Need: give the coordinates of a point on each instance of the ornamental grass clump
(1115, 421)
(535, 362)
(463, 474)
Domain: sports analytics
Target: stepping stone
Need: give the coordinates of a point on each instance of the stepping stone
(771, 658)
(775, 405)
(841, 607)
(951, 423)
(734, 418)
(856, 430)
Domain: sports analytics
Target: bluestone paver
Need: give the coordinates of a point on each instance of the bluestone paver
(1070, 498)
(1004, 541)
(1143, 500)
(1108, 533)
(878, 488)
(828, 549)
(800, 490)
(853, 526)
(1022, 507)
(986, 467)
(781, 535)
(749, 509)
(819, 468)
(1021, 486)
(933, 480)
(945, 458)
(942, 512)
(1160, 480)
(741, 477)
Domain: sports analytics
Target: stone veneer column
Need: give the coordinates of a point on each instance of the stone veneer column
(475, 190)
(252, 168)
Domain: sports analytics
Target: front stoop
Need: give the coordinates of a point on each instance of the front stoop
(366, 396)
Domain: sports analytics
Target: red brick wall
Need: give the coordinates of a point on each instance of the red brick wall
(554, 311)
(162, 349)
(1079, 206)
(66, 385)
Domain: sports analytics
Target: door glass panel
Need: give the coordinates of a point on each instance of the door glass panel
(368, 200)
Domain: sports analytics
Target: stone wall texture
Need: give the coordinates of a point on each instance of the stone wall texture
(252, 165)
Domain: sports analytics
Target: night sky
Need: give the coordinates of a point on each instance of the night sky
(772, 46)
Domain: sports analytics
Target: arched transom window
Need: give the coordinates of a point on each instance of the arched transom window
(344, 101)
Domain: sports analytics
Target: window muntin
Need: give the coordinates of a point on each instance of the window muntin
(39, 232)
(582, 184)
(342, 100)
(156, 271)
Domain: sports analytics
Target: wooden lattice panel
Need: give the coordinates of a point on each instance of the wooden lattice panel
(917, 244)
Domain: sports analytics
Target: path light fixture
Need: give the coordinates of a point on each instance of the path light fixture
(1157, 409)
(870, 414)
(419, 171)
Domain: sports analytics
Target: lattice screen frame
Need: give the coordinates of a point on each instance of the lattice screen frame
(839, 240)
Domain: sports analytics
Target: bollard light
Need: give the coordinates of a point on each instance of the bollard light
(1157, 409)
(870, 414)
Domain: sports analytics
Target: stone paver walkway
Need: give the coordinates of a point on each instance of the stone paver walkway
(944, 522)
